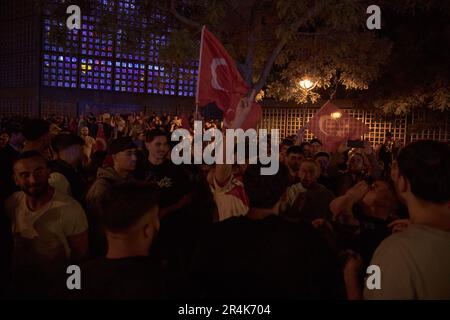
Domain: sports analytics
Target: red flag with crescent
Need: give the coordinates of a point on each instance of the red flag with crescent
(220, 82)
(333, 126)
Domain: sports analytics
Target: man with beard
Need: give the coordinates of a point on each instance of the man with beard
(294, 157)
(314, 203)
(89, 145)
(49, 228)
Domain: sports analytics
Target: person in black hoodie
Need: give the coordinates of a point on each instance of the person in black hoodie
(69, 152)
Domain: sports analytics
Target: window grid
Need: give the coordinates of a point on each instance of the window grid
(116, 70)
(94, 44)
(72, 37)
(129, 77)
(160, 80)
(95, 74)
(60, 71)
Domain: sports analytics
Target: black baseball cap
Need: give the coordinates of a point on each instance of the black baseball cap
(121, 144)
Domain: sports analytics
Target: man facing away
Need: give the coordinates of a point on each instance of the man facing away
(129, 214)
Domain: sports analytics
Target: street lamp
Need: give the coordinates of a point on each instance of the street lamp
(307, 84)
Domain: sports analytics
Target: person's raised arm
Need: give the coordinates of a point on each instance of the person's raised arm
(223, 171)
(341, 207)
(375, 169)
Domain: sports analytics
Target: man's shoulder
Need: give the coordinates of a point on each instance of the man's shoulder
(396, 245)
(14, 200)
(66, 202)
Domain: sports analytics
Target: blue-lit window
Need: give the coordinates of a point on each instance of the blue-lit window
(59, 71)
(94, 44)
(129, 77)
(160, 80)
(107, 5)
(95, 74)
(123, 53)
(187, 80)
(96, 61)
(72, 37)
(127, 7)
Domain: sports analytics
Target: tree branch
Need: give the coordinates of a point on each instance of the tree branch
(250, 50)
(336, 84)
(182, 18)
(276, 51)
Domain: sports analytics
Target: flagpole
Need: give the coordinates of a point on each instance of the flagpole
(198, 73)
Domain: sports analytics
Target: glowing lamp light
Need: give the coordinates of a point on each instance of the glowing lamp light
(336, 115)
(307, 84)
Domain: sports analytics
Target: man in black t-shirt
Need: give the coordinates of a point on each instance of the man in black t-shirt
(261, 255)
(129, 213)
(175, 197)
(171, 179)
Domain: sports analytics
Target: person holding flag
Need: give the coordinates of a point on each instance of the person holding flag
(220, 82)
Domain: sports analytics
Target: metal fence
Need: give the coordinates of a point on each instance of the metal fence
(404, 129)
(418, 125)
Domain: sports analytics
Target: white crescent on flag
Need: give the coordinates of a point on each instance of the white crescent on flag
(215, 63)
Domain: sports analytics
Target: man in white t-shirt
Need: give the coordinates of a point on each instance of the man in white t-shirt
(415, 263)
(49, 228)
(89, 145)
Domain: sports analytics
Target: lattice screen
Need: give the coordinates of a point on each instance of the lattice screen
(379, 125)
(293, 120)
(288, 121)
(274, 118)
(59, 108)
(441, 130)
(11, 107)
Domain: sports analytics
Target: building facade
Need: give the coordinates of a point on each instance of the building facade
(93, 72)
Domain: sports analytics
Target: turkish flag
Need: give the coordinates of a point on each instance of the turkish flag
(220, 82)
(333, 126)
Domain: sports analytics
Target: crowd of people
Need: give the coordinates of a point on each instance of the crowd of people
(102, 192)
